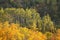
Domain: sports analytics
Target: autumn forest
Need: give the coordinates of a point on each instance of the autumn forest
(29, 19)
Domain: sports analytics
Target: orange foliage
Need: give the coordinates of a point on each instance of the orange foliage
(15, 32)
(58, 35)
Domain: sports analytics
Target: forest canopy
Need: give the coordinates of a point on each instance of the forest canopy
(29, 19)
(52, 7)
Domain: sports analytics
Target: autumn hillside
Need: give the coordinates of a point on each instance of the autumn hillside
(26, 24)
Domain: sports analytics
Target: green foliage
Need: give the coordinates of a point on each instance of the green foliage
(49, 35)
(47, 24)
(29, 18)
(50, 6)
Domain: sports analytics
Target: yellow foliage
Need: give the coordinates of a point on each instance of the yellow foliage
(15, 32)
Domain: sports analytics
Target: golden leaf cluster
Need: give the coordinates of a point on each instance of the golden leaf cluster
(11, 31)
